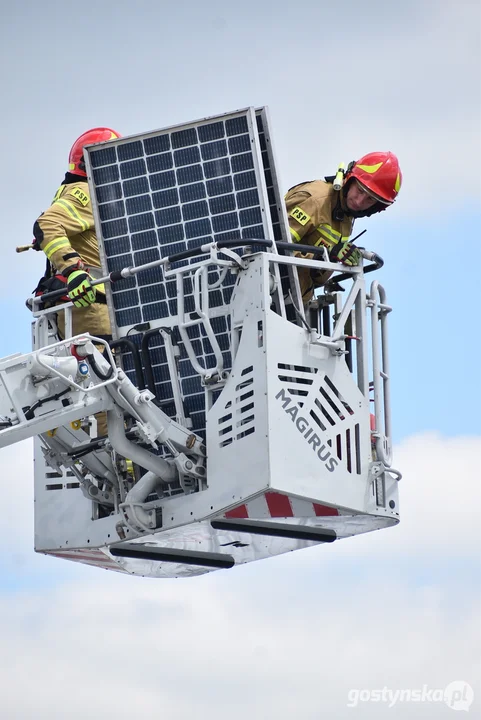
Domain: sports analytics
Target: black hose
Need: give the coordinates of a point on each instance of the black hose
(377, 264)
(296, 247)
(98, 371)
(326, 320)
(82, 450)
(132, 347)
(349, 353)
(144, 349)
(29, 411)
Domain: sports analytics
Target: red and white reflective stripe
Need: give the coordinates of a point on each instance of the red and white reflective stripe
(277, 505)
(97, 558)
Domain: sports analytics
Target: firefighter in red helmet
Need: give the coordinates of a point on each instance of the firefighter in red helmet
(66, 234)
(322, 212)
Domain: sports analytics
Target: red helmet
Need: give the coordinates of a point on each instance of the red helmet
(379, 173)
(76, 164)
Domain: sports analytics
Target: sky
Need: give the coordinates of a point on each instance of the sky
(301, 634)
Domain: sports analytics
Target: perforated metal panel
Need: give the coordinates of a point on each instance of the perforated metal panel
(171, 190)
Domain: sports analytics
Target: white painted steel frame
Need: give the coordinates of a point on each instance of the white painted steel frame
(263, 465)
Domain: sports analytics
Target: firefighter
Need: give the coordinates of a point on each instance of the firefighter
(320, 214)
(66, 234)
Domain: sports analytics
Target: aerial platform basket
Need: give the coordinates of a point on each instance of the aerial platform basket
(255, 426)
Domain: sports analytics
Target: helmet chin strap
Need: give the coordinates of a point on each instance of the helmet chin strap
(377, 208)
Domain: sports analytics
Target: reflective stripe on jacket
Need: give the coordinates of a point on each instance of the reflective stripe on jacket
(66, 230)
(309, 210)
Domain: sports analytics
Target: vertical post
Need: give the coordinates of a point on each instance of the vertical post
(349, 351)
(380, 368)
(68, 321)
(326, 320)
(361, 332)
(174, 378)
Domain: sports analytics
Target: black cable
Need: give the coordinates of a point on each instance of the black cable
(98, 371)
(132, 347)
(85, 450)
(144, 349)
(29, 411)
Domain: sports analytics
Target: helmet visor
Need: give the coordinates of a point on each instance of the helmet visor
(372, 194)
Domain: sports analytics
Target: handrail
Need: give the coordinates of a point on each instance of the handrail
(201, 298)
(380, 367)
(127, 272)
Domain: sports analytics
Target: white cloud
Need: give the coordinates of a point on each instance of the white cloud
(440, 500)
(120, 649)
(282, 638)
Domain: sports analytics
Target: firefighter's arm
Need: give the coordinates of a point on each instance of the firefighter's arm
(302, 214)
(69, 215)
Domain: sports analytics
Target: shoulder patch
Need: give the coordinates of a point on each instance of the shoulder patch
(298, 214)
(81, 196)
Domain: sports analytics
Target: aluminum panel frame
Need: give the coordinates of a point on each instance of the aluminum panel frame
(114, 147)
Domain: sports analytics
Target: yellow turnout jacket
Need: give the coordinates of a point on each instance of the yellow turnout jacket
(310, 208)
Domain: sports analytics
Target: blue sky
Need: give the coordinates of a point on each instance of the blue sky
(435, 297)
(397, 608)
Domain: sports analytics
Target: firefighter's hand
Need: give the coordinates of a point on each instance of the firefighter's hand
(346, 253)
(80, 290)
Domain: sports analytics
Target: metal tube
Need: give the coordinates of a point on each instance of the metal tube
(144, 458)
(202, 301)
(362, 358)
(380, 371)
(385, 364)
(142, 489)
(127, 272)
(174, 377)
(68, 321)
(201, 298)
(356, 289)
(182, 325)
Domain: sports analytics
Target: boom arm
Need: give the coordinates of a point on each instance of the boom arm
(48, 391)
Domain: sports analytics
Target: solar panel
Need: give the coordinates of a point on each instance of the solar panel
(175, 189)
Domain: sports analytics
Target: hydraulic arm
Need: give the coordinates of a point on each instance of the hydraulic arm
(51, 391)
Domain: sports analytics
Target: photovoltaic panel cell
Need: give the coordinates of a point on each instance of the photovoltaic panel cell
(175, 189)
